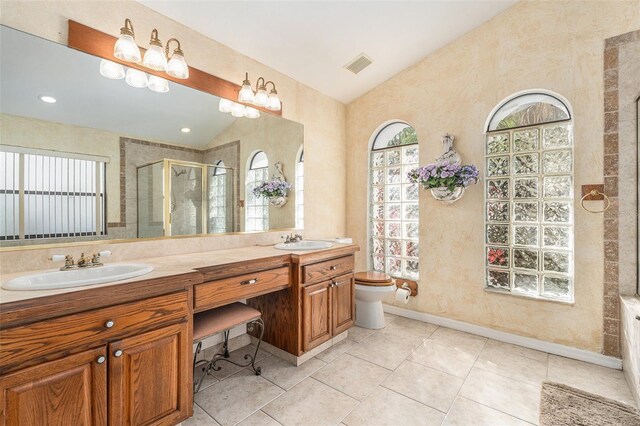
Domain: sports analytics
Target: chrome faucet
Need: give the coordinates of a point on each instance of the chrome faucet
(293, 238)
(84, 261)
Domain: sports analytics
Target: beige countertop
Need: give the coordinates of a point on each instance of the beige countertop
(164, 266)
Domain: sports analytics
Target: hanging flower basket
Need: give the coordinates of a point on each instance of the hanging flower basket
(446, 180)
(275, 191)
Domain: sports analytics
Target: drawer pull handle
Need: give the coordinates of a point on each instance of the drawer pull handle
(101, 359)
(109, 324)
(252, 281)
(332, 268)
(117, 353)
(333, 283)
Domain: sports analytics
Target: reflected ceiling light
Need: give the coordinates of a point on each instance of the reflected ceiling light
(185, 130)
(154, 57)
(111, 70)
(47, 99)
(252, 113)
(126, 48)
(260, 97)
(177, 66)
(158, 84)
(238, 110)
(225, 105)
(136, 78)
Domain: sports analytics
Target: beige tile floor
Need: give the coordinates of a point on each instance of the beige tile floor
(409, 373)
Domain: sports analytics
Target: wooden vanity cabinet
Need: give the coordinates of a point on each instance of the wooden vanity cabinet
(127, 364)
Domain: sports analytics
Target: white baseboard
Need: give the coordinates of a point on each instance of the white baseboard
(527, 342)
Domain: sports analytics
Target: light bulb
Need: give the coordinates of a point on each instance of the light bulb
(158, 84)
(238, 110)
(126, 48)
(136, 78)
(261, 97)
(177, 66)
(154, 56)
(273, 103)
(225, 105)
(252, 113)
(111, 70)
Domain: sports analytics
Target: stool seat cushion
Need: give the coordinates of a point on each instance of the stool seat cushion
(223, 318)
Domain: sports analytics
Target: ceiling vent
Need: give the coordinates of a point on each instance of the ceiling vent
(359, 63)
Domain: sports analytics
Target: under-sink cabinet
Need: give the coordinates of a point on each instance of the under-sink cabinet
(123, 364)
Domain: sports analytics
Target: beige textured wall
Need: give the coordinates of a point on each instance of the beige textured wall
(551, 45)
(323, 118)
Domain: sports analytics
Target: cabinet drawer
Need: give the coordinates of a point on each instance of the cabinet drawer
(30, 344)
(327, 269)
(217, 293)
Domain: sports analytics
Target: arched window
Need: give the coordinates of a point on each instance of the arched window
(393, 211)
(529, 197)
(218, 198)
(300, 189)
(256, 208)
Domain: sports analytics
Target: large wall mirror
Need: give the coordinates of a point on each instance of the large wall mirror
(84, 157)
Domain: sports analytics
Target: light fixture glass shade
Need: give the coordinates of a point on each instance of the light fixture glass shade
(225, 105)
(252, 113)
(273, 103)
(136, 78)
(154, 58)
(246, 93)
(238, 110)
(261, 97)
(126, 49)
(177, 66)
(158, 84)
(111, 70)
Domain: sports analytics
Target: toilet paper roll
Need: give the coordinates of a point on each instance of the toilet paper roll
(402, 295)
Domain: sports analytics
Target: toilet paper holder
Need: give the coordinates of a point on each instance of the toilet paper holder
(408, 285)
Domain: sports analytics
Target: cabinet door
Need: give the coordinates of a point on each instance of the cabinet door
(342, 297)
(69, 390)
(150, 377)
(316, 311)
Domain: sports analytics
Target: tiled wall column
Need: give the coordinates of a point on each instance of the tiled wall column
(613, 180)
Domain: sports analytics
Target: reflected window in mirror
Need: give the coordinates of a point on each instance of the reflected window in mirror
(256, 208)
(218, 198)
(49, 194)
(394, 213)
(300, 189)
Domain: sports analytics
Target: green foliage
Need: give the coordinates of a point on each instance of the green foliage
(406, 137)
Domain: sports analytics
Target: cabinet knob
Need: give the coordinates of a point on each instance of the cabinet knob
(117, 353)
(109, 324)
(101, 359)
(332, 268)
(333, 283)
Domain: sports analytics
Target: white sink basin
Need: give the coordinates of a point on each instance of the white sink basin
(78, 277)
(304, 245)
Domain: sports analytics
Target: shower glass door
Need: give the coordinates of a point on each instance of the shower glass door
(185, 198)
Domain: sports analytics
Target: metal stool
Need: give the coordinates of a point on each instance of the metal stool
(223, 319)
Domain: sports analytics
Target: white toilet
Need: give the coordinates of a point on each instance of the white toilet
(371, 288)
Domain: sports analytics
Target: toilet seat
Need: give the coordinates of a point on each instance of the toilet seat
(373, 279)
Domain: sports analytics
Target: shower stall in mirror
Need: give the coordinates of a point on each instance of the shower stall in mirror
(184, 198)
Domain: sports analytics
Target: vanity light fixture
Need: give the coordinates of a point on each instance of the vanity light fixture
(47, 99)
(225, 105)
(158, 84)
(260, 97)
(154, 57)
(252, 113)
(236, 109)
(111, 70)
(126, 48)
(136, 78)
(177, 66)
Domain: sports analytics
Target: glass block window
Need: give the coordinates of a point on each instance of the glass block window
(529, 200)
(256, 208)
(50, 194)
(393, 212)
(218, 198)
(300, 190)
